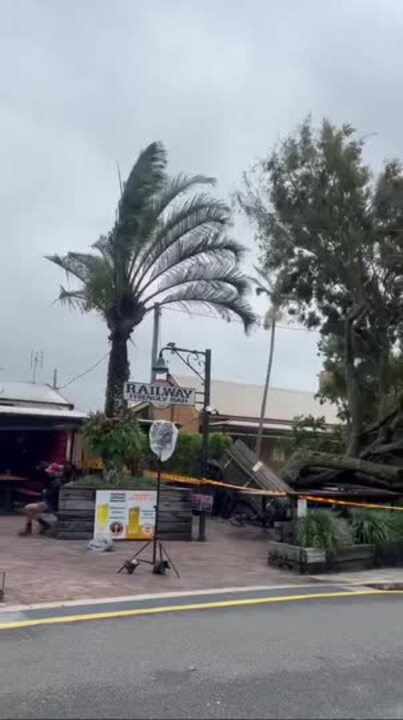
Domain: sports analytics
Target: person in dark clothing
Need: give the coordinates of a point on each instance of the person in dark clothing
(49, 504)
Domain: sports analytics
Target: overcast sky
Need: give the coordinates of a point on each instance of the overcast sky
(87, 83)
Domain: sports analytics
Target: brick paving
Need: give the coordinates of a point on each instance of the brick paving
(41, 569)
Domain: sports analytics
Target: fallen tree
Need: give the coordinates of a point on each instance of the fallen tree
(314, 470)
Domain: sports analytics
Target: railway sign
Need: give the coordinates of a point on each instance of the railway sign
(158, 394)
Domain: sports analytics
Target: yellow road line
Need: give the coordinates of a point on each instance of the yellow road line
(57, 620)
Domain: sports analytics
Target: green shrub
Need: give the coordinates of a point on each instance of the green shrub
(325, 530)
(187, 456)
(218, 443)
(374, 527)
(118, 440)
(396, 523)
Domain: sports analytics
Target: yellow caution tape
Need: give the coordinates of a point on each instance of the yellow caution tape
(349, 503)
(186, 480)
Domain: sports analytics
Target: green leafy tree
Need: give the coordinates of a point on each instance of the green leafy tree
(379, 397)
(311, 433)
(118, 440)
(165, 247)
(332, 239)
(187, 455)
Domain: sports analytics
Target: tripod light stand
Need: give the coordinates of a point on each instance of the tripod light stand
(162, 441)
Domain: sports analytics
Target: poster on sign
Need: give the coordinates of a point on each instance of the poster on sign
(125, 514)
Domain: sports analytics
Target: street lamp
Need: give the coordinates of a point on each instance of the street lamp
(199, 362)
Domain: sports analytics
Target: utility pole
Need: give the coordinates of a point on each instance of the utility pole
(54, 384)
(36, 362)
(156, 332)
(205, 429)
(206, 411)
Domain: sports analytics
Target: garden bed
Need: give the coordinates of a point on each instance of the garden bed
(297, 558)
(75, 517)
(315, 560)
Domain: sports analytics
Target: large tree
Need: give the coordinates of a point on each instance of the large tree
(332, 238)
(165, 247)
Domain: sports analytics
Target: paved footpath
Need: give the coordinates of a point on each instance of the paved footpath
(43, 570)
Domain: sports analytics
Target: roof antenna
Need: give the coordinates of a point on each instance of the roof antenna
(36, 361)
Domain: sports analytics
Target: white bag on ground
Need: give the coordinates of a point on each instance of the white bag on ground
(100, 543)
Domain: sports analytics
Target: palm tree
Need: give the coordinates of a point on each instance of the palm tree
(270, 321)
(164, 248)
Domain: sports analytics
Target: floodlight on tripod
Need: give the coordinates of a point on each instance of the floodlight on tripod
(163, 435)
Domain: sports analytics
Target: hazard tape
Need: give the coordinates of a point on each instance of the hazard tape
(349, 503)
(186, 480)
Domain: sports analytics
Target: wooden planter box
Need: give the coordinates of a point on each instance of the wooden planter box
(297, 558)
(312, 560)
(390, 554)
(354, 557)
(75, 517)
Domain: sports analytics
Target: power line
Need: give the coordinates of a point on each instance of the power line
(77, 377)
(194, 314)
(260, 321)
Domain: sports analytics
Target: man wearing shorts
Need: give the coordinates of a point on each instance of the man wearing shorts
(48, 505)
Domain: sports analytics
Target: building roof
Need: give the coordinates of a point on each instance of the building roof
(27, 394)
(42, 412)
(241, 400)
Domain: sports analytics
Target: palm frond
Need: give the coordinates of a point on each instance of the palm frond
(219, 296)
(80, 265)
(198, 246)
(201, 209)
(104, 245)
(95, 274)
(145, 180)
(220, 270)
(73, 298)
(172, 189)
(201, 212)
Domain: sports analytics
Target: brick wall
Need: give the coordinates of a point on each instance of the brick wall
(186, 417)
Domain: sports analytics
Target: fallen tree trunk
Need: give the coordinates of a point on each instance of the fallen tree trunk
(386, 449)
(311, 482)
(301, 462)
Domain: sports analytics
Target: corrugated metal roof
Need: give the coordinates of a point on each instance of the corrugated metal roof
(42, 412)
(243, 400)
(253, 470)
(252, 424)
(27, 392)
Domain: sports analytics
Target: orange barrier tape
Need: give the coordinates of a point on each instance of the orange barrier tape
(349, 503)
(173, 477)
(186, 480)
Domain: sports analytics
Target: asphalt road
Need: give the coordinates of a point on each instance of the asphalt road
(325, 658)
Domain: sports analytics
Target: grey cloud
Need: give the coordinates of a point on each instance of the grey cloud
(86, 83)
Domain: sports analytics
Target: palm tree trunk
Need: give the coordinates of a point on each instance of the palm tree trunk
(118, 372)
(259, 438)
